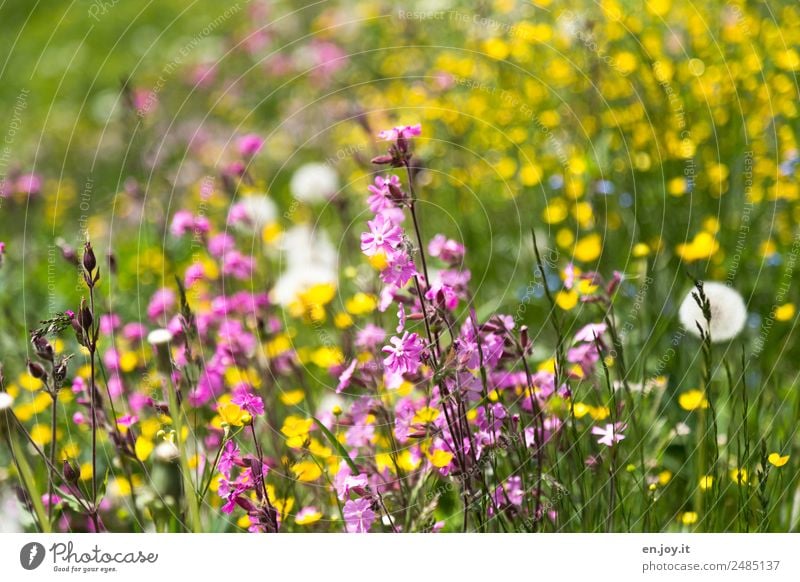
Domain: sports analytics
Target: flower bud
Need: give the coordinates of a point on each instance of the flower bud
(85, 318)
(71, 472)
(36, 370)
(89, 260)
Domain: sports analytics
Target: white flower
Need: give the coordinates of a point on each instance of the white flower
(314, 183)
(310, 260)
(252, 213)
(728, 312)
(166, 451)
(159, 337)
(6, 400)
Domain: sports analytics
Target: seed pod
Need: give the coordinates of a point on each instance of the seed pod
(43, 348)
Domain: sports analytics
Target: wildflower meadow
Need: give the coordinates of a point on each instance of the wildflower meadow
(364, 266)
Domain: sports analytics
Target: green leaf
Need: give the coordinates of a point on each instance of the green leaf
(337, 445)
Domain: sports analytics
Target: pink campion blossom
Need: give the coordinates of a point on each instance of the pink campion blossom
(220, 244)
(569, 276)
(111, 359)
(29, 184)
(610, 434)
(400, 131)
(134, 332)
(161, 302)
(182, 223)
(589, 332)
(446, 249)
(399, 270)
(380, 197)
(370, 337)
(248, 401)
(109, 322)
(346, 376)
(228, 458)
(237, 265)
(127, 420)
(404, 354)
(358, 515)
(250, 144)
(328, 57)
(401, 318)
(383, 236)
(442, 296)
(194, 273)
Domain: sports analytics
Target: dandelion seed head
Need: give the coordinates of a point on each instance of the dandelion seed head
(728, 312)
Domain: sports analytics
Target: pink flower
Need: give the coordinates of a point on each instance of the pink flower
(127, 421)
(383, 236)
(399, 270)
(610, 434)
(162, 301)
(229, 457)
(346, 376)
(369, 337)
(182, 222)
(358, 515)
(194, 273)
(29, 184)
(400, 131)
(381, 196)
(237, 265)
(221, 244)
(446, 249)
(404, 354)
(442, 295)
(247, 401)
(589, 332)
(250, 144)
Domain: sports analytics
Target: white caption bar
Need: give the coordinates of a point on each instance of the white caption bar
(339, 557)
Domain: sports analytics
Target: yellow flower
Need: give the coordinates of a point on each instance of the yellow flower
(703, 246)
(440, 458)
(307, 517)
(292, 397)
(29, 382)
(306, 471)
(326, 357)
(688, 517)
(233, 415)
(361, 304)
(785, 312)
(588, 248)
(342, 320)
(295, 426)
(777, 460)
(738, 475)
(41, 434)
(706, 482)
(566, 300)
(143, 447)
(664, 477)
(692, 400)
(425, 415)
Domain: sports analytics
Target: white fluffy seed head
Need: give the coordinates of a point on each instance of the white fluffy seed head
(728, 312)
(6, 400)
(314, 182)
(159, 337)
